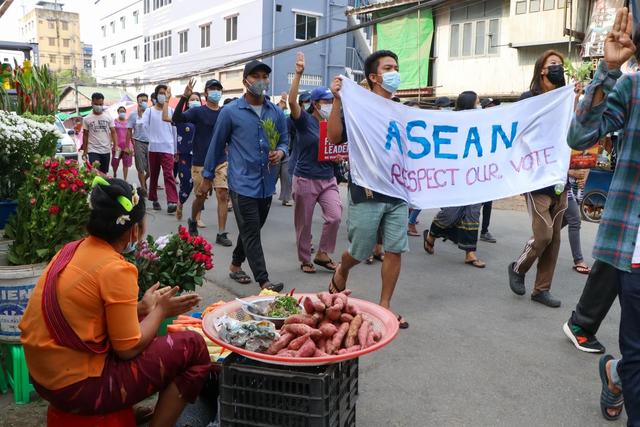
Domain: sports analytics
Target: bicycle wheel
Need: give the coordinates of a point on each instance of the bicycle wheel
(592, 205)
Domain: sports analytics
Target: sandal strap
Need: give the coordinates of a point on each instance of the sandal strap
(611, 399)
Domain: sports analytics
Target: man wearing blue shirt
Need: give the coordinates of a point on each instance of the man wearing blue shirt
(252, 168)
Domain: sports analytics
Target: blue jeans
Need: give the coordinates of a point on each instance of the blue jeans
(413, 216)
(629, 366)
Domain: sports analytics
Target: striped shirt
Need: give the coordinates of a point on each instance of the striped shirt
(618, 232)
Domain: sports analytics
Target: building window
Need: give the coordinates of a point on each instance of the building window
(113, 59)
(205, 35)
(232, 28)
(65, 42)
(66, 59)
(157, 4)
(104, 62)
(65, 26)
(184, 40)
(52, 59)
(104, 31)
(561, 4)
(123, 22)
(145, 7)
(147, 49)
(521, 7)
(307, 79)
(123, 56)
(136, 52)
(534, 6)
(52, 41)
(51, 25)
(112, 24)
(161, 45)
(475, 30)
(306, 27)
(135, 17)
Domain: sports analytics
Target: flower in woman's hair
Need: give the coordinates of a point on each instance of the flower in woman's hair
(122, 219)
(135, 198)
(54, 210)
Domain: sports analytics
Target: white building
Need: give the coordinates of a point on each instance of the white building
(117, 51)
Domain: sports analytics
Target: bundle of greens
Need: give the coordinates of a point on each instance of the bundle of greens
(284, 306)
(271, 132)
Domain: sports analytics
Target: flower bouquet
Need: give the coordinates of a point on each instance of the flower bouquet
(174, 260)
(52, 210)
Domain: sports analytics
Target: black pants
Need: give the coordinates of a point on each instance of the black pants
(104, 159)
(597, 297)
(486, 217)
(251, 215)
(629, 366)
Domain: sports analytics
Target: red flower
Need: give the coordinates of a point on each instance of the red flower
(55, 164)
(67, 162)
(51, 178)
(207, 247)
(79, 183)
(74, 188)
(63, 185)
(33, 201)
(74, 171)
(54, 210)
(71, 179)
(208, 265)
(198, 240)
(47, 163)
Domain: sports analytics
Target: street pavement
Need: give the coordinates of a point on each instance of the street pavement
(475, 354)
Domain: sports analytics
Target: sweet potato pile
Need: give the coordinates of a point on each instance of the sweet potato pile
(330, 325)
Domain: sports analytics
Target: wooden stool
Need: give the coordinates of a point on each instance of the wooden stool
(58, 418)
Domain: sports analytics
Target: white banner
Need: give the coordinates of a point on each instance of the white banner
(436, 159)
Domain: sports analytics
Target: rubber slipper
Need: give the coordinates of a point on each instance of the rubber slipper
(582, 269)
(312, 269)
(608, 399)
(240, 277)
(276, 287)
(379, 257)
(333, 288)
(402, 324)
(428, 247)
(369, 260)
(476, 263)
(325, 264)
(413, 233)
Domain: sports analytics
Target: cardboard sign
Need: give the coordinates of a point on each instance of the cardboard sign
(328, 152)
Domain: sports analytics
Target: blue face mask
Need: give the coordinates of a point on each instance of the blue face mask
(214, 96)
(161, 98)
(143, 105)
(391, 81)
(194, 104)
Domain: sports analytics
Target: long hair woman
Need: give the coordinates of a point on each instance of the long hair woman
(546, 206)
(87, 351)
(458, 224)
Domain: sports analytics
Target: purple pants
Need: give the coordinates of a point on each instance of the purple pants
(164, 161)
(306, 193)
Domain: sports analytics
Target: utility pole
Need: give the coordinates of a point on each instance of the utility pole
(75, 88)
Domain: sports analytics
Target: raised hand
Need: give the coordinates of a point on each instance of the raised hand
(168, 93)
(336, 85)
(618, 47)
(299, 63)
(188, 90)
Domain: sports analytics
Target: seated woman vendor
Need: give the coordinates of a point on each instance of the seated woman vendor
(86, 350)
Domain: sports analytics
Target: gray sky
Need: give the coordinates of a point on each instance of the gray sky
(10, 22)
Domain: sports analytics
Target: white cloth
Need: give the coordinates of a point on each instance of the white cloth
(636, 252)
(162, 135)
(432, 158)
(99, 127)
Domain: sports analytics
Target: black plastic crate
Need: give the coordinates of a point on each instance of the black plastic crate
(263, 395)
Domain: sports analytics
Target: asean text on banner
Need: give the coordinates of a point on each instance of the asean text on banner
(435, 159)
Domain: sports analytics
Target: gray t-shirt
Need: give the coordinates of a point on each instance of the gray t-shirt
(99, 127)
(135, 123)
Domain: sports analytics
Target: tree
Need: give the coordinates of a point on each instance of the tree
(65, 77)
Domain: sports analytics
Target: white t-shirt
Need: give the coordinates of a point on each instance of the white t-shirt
(162, 135)
(636, 253)
(99, 127)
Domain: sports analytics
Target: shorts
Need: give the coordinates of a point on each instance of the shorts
(141, 155)
(220, 178)
(366, 218)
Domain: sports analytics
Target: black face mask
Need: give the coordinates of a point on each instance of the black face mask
(555, 74)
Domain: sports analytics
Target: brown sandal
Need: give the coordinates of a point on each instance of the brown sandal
(333, 288)
(476, 263)
(310, 268)
(428, 247)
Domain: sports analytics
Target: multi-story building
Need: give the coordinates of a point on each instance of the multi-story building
(173, 40)
(87, 58)
(57, 34)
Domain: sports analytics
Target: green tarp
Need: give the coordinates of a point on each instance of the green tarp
(410, 37)
(65, 116)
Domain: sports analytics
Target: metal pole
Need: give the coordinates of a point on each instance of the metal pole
(75, 87)
(419, 64)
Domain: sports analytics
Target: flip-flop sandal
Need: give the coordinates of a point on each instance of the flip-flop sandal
(608, 399)
(428, 247)
(379, 257)
(582, 269)
(402, 324)
(240, 277)
(309, 266)
(333, 288)
(325, 264)
(413, 233)
(476, 263)
(369, 260)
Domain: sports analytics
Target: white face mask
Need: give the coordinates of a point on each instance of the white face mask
(325, 111)
(162, 98)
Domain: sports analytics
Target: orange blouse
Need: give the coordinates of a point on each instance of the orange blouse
(98, 295)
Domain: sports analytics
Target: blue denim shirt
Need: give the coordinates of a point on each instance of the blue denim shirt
(239, 127)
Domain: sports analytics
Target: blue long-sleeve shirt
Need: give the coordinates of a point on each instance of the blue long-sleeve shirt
(239, 127)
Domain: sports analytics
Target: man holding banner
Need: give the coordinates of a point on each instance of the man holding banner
(370, 210)
(611, 103)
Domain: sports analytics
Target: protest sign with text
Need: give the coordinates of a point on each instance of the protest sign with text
(328, 152)
(433, 158)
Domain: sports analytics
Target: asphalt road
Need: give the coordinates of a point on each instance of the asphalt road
(475, 353)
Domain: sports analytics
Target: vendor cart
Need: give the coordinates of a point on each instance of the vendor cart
(595, 194)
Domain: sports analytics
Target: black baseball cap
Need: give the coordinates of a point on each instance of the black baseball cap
(489, 101)
(212, 83)
(255, 65)
(443, 102)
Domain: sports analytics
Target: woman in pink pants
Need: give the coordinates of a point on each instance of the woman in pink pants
(124, 150)
(313, 181)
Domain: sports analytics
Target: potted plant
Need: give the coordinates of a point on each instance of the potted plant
(52, 210)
